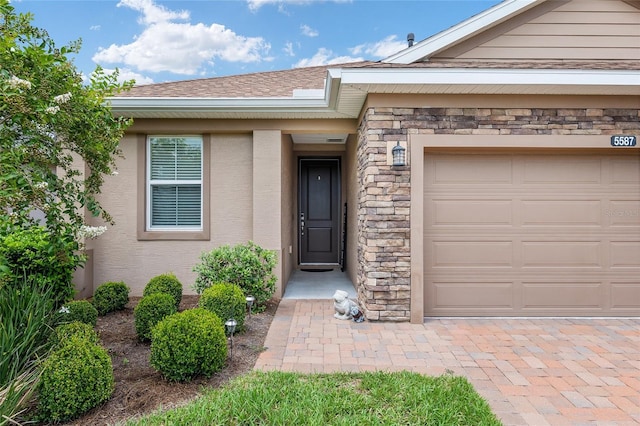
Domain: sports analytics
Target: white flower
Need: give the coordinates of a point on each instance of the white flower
(41, 185)
(60, 99)
(92, 231)
(16, 83)
(52, 109)
(64, 310)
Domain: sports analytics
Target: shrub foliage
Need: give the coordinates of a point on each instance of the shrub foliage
(77, 310)
(225, 300)
(165, 283)
(45, 260)
(247, 265)
(75, 378)
(111, 296)
(150, 310)
(64, 332)
(188, 344)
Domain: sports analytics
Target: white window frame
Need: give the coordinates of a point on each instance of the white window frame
(176, 182)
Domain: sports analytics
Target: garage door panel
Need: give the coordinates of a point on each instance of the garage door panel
(561, 254)
(625, 254)
(472, 254)
(547, 235)
(561, 212)
(561, 170)
(494, 170)
(464, 295)
(624, 213)
(566, 295)
(625, 296)
(472, 212)
(624, 172)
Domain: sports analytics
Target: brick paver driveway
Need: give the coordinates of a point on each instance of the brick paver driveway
(532, 371)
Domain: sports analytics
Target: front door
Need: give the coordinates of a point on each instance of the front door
(319, 211)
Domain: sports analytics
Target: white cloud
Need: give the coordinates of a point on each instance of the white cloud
(127, 74)
(95, 28)
(153, 13)
(181, 48)
(381, 49)
(288, 49)
(308, 31)
(325, 57)
(254, 5)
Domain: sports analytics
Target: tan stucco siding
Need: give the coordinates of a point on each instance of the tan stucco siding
(351, 188)
(119, 255)
(558, 30)
(288, 209)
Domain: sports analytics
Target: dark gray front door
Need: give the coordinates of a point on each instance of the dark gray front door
(319, 211)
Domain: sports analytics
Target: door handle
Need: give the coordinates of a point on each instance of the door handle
(302, 223)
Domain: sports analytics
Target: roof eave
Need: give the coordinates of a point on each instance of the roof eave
(347, 89)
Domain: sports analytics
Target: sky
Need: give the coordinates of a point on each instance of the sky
(155, 41)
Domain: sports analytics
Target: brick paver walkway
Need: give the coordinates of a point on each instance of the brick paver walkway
(532, 371)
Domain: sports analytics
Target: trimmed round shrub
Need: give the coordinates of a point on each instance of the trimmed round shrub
(75, 378)
(249, 266)
(77, 310)
(111, 296)
(151, 310)
(65, 332)
(188, 344)
(165, 283)
(225, 300)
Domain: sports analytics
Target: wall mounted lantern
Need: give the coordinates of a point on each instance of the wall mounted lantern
(399, 154)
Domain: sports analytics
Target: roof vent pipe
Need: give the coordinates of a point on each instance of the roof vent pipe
(410, 39)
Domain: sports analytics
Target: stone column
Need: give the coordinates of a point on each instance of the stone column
(384, 252)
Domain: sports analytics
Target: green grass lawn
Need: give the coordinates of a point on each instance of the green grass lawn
(375, 398)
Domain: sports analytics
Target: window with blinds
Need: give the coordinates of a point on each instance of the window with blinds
(174, 183)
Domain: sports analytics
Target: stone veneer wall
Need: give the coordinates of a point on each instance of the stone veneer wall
(384, 258)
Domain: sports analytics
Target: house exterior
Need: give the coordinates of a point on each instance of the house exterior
(520, 195)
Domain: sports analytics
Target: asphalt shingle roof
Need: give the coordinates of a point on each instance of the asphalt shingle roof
(281, 84)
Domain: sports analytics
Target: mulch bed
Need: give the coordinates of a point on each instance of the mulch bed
(139, 389)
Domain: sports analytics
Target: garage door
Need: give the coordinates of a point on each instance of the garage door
(532, 235)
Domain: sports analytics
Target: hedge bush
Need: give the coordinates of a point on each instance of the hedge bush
(151, 310)
(165, 283)
(188, 344)
(75, 378)
(77, 310)
(111, 296)
(46, 260)
(227, 301)
(65, 332)
(247, 265)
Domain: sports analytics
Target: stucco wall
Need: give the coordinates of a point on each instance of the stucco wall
(288, 209)
(118, 255)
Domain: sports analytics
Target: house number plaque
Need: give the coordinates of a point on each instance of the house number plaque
(623, 140)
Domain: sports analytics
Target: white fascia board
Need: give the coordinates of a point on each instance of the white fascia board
(130, 104)
(477, 23)
(467, 76)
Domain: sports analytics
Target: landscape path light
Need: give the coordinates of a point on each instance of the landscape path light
(250, 300)
(230, 326)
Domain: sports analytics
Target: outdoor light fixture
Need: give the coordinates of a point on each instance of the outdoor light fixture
(250, 300)
(399, 155)
(230, 326)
